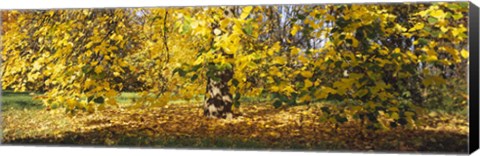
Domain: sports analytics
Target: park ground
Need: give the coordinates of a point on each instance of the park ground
(256, 125)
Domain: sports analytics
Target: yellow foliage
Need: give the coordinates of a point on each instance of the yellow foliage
(307, 74)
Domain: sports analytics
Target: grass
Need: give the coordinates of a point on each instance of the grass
(18, 100)
(127, 98)
(23, 100)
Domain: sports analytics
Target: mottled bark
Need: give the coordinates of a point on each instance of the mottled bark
(218, 102)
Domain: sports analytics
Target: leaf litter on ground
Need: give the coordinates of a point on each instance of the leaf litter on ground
(259, 126)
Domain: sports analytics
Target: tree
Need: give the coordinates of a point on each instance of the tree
(228, 37)
(57, 52)
(377, 60)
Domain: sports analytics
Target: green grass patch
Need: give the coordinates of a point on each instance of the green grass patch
(19, 100)
(127, 97)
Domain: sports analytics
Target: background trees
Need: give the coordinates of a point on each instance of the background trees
(384, 63)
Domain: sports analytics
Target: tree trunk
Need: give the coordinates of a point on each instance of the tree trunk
(218, 101)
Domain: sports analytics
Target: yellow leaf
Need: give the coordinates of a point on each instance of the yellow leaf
(111, 93)
(294, 30)
(308, 83)
(88, 83)
(393, 109)
(123, 63)
(288, 90)
(101, 107)
(395, 116)
(306, 74)
(397, 50)
(433, 114)
(458, 31)
(432, 58)
(305, 98)
(274, 88)
(270, 52)
(274, 48)
(279, 60)
(98, 69)
(246, 12)
(464, 53)
(223, 23)
(417, 26)
(437, 14)
(355, 42)
(112, 102)
(71, 103)
(443, 29)
(433, 80)
(116, 73)
(295, 50)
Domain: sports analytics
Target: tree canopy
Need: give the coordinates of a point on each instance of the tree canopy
(382, 60)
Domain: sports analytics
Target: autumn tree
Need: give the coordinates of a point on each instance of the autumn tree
(378, 61)
(75, 56)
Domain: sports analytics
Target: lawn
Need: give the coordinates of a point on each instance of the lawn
(255, 126)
